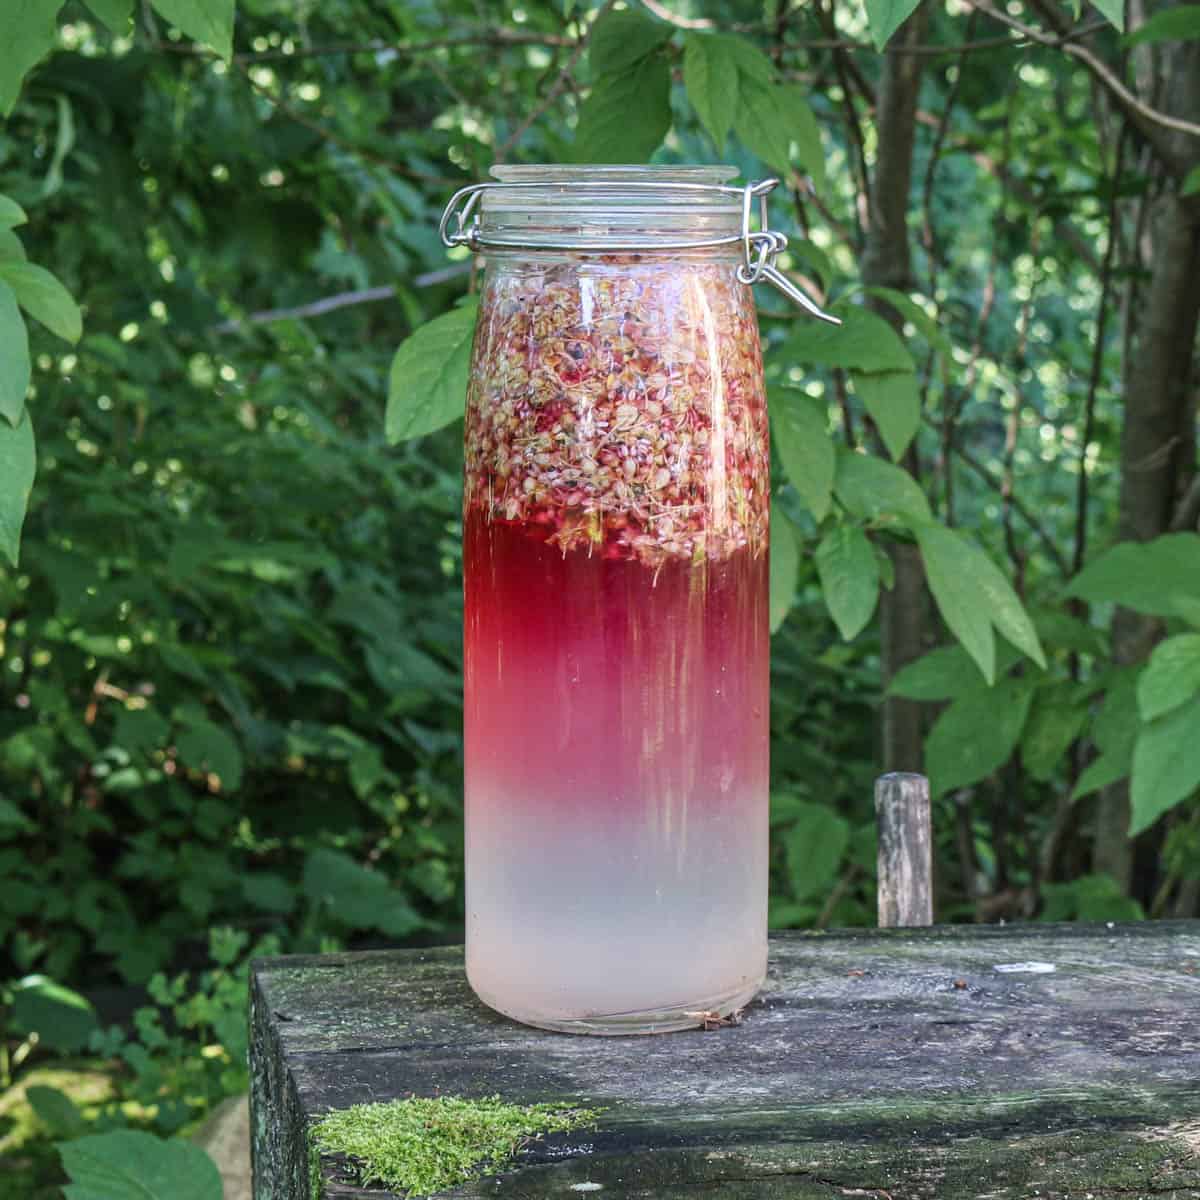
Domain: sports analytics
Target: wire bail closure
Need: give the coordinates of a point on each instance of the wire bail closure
(760, 247)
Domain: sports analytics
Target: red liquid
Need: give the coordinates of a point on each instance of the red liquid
(616, 749)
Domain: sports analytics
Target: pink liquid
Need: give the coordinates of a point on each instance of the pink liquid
(616, 780)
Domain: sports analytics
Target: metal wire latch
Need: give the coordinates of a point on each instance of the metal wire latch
(760, 247)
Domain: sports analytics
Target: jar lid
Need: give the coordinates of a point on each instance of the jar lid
(614, 209)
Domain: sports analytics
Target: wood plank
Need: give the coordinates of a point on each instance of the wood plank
(897, 1062)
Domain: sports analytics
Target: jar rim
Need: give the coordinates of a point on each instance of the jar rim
(610, 204)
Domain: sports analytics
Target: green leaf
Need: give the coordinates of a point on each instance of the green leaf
(751, 62)
(976, 734)
(1160, 578)
(886, 16)
(13, 820)
(915, 315)
(1181, 23)
(30, 33)
(1113, 11)
(358, 896)
(785, 565)
(762, 124)
(948, 566)
(207, 747)
(1003, 604)
(864, 341)
(56, 1110)
(804, 132)
(872, 488)
(804, 447)
(15, 367)
(11, 213)
(894, 402)
(268, 891)
(814, 847)
(849, 577)
(10, 246)
(1115, 732)
(427, 384)
(140, 730)
(626, 115)
(130, 1165)
(62, 1019)
(941, 674)
(619, 39)
(1099, 773)
(710, 75)
(116, 14)
(1166, 765)
(1088, 898)
(1191, 183)
(1171, 677)
(1056, 719)
(18, 462)
(43, 298)
(207, 21)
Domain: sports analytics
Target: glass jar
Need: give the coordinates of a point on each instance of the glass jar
(616, 507)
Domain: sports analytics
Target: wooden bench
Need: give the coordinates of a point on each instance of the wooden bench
(960, 1061)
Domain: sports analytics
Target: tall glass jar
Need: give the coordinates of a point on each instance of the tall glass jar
(616, 510)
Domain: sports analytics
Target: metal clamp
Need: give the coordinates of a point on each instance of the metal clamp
(760, 247)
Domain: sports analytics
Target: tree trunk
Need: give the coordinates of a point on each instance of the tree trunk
(1158, 436)
(887, 262)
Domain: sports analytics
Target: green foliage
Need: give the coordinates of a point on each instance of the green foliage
(798, 426)
(43, 297)
(874, 490)
(130, 1165)
(420, 1146)
(1166, 764)
(976, 734)
(356, 896)
(62, 1019)
(814, 844)
(622, 38)
(1089, 898)
(56, 1110)
(893, 400)
(17, 467)
(1160, 578)
(973, 596)
(864, 341)
(1171, 678)
(208, 21)
(427, 382)
(1170, 24)
(849, 576)
(886, 16)
(31, 31)
(710, 75)
(784, 565)
(14, 362)
(627, 114)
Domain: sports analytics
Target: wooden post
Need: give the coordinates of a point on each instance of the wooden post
(905, 857)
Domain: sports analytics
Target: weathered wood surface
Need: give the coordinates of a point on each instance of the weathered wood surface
(905, 855)
(898, 1063)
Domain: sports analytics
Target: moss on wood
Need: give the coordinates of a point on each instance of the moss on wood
(420, 1146)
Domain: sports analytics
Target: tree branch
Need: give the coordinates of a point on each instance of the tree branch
(1104, 75)
(1097, 364)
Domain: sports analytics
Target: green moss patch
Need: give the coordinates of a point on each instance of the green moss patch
(422, 1146)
